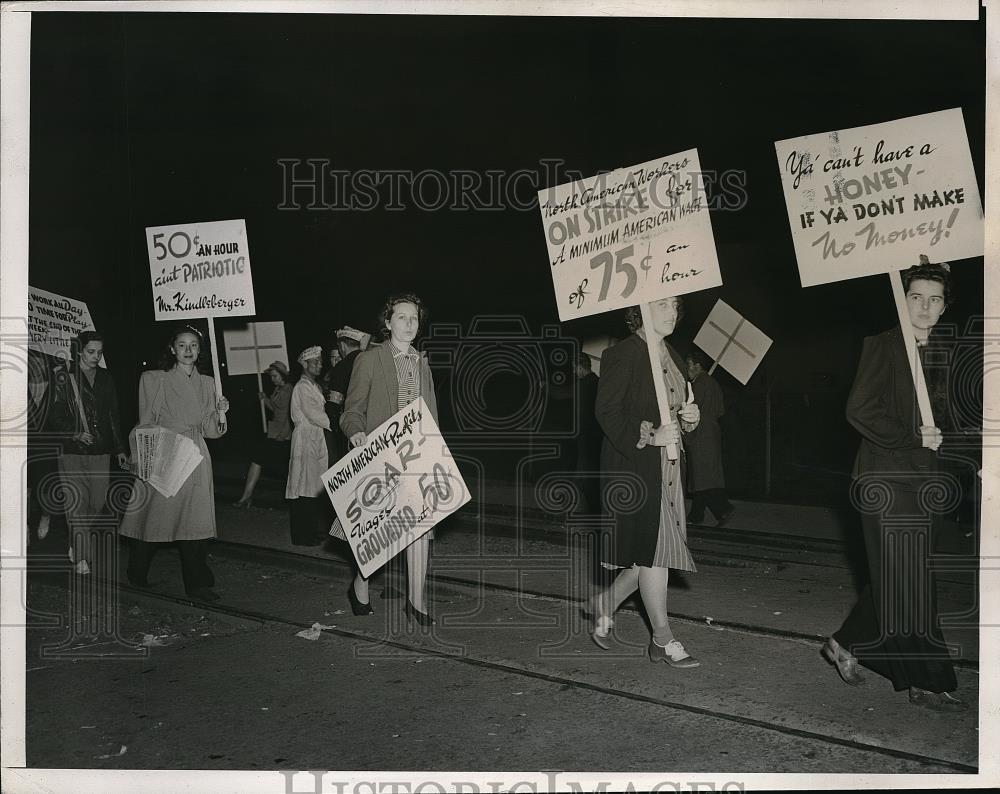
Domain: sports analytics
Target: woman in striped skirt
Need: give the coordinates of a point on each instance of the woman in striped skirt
(387, 378)
(642, 484)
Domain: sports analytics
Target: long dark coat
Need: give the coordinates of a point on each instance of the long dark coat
(631, 478)
(882, 408)
(704, 444)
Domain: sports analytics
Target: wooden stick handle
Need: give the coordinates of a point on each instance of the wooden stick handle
(260, 384)
(218, 376)
(910, 342)
(653, 348)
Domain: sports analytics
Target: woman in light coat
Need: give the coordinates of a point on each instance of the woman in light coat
(309, 451)
(386, 379)
(183, 400)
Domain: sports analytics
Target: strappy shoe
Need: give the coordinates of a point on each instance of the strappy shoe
(936, 701)
(672, 653)
(846, 664)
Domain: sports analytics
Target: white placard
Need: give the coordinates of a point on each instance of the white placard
(630, 236)
(732, 341)
(55, 321)
(200, 270)
(873, 199)
(250, 350)
(396, 487)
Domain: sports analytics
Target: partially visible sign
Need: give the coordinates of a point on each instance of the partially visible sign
(630, 236)
(732, 341)
(54, 321)
(200, 270)
(873, 199)
(396, 487)
(250, 350)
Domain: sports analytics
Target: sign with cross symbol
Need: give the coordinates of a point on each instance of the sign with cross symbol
(732, 342)
(251, 349)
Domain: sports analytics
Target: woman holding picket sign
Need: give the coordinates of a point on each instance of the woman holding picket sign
(385, 380)
(177, 397)
(893, 629)
(85, 411)
(649, 538)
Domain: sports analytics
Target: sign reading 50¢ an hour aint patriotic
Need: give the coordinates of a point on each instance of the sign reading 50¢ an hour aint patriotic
(630, 236)
(200, 270)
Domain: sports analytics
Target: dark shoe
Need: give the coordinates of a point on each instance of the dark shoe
(358, 607)
(693, 519)
(673, 654)
(721, 520)
(846, 664)
(203, 594)
(936, 701)
(244, 504)
(420, 617)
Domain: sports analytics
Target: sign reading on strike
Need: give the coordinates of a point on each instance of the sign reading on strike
(54, 321)
(630, 236)
(873, 199)
(200, 270)
(396, 487)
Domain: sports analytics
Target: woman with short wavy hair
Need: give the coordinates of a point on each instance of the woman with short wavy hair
(642, 485)
(893, 629)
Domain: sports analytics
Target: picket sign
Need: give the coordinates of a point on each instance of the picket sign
(238, 342)
(630, 237)
(914, 190)
(732, 342)
(201, 270)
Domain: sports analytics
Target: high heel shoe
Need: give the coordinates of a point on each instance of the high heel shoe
(244, 504)
(358, 607)
(846, 664)
(420, 617)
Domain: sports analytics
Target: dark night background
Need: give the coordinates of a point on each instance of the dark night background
(153, 119)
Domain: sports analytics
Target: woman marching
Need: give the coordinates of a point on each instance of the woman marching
(652, 539)
(893, 629)
(273, 450)
(385, 380)
(309, 451)
(86, 411)
(178, 398)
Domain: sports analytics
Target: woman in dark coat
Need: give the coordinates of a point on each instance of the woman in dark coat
(893, 629)
(86, 412)
(642, 486)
